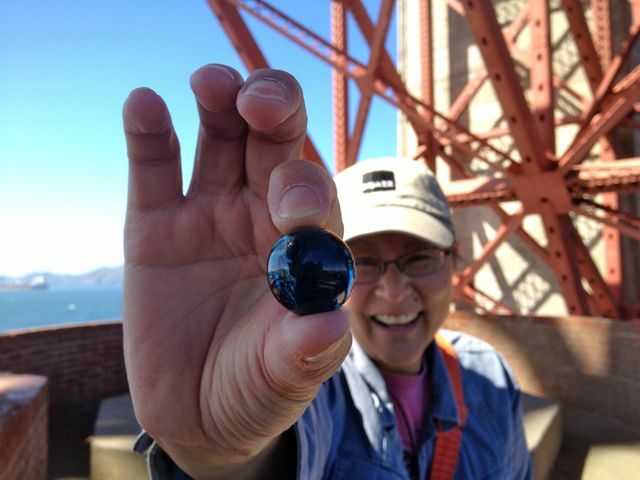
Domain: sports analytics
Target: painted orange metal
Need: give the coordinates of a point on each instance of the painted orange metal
(504, 231)
(584, 181)
(540, 189)
(620, 103)
(555, 185)
(584, 43)
(339, 87)
(602, 32)
(604, 45)
(540, 76)
(430, 150)
(613, 70)
(250, 53)
(365, 83)
(387, 71)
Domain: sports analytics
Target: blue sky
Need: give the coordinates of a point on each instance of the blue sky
(66, 67)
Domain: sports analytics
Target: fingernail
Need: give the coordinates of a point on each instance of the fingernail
(268, 88)
(220, 68)
(209, 76)
(329, 352)
(298, 201)
(152, 124)
(147, 113)
(215, 87)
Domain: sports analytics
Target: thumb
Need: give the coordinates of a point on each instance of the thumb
(302, 194)
(304, 351)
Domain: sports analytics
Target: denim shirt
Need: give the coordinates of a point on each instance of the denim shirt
(349, 430)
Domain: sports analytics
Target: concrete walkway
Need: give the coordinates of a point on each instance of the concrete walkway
(597, 449)
(116, 429)
(592, 448)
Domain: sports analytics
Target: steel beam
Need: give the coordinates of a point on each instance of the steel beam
(394, 93)
(624, 222)
(468, 92)
(601, 11)
(606, 83)
(583, 40)
(603, 299)
(365, 82)
(456, 6)
(495, 53)
(387, 68)
(635, 13)
(617, 108)
(504, 131)
(487, 190)
(388, 73)
(426, 82)
(542, 103)
(553, 206)
(471, 294)
(489, 249)
(250, 54)
(552, 188)
(585, 180)
(240, 36)
(446, 131)
(601, 14)
(339, 85)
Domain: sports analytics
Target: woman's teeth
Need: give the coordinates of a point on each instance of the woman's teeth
(396, 319)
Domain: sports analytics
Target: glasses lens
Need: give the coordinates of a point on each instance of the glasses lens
(367, 270)
(423, 263)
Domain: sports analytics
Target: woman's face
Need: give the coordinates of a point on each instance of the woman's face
(395, 318)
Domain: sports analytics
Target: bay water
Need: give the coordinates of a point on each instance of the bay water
(59, 305)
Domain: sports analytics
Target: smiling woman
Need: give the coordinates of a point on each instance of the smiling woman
(394, 316)
(400, 233)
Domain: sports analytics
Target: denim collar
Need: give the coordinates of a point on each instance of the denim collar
(442, 401)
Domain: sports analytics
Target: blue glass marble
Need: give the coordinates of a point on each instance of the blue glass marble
(310, 270)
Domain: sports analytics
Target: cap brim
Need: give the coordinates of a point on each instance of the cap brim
(392, 218)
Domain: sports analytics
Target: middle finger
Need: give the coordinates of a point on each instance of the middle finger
(219, 160)
(272, 104)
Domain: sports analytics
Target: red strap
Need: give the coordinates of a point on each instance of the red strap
(445, 455)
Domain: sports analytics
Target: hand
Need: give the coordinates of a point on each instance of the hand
(216, 367)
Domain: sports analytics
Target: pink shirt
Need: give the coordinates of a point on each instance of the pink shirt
(410, 395)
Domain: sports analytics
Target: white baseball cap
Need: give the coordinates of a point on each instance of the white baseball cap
(394, 195)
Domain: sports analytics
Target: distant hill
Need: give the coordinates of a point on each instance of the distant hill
(101, 276)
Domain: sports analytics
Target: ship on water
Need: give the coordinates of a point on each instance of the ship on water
(36, 283)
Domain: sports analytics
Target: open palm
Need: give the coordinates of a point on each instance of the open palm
(217, 369)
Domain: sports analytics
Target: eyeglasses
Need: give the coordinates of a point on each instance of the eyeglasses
(370, 269)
